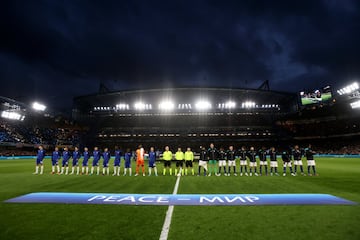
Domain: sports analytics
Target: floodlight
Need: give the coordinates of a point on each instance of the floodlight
(230, 104)
(203, 105)
(122, 106)
(348, 89)
(249, 104)
(355, 104)
(142, 106)
(167, 105)
(11, 115)
(139, 106)
(39, 107)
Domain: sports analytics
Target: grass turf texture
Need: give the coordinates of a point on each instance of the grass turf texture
(340, 177)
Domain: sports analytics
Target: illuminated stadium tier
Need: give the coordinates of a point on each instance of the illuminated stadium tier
(12, 109)
(183, 115)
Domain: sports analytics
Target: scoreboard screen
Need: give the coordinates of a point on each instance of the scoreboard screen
(316, 96)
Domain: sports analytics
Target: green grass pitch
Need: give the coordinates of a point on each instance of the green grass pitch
(338, 176)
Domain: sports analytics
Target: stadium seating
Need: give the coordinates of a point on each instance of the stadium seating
(21, 132)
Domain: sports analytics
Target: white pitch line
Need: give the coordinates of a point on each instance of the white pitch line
(166, 227)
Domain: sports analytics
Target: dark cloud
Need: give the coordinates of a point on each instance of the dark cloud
(55, 50)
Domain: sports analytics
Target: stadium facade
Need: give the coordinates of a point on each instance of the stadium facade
(184, 116)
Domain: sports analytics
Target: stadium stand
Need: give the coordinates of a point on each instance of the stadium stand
(227, 117)
(197, 116)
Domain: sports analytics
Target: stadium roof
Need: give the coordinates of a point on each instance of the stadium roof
(164, 90)
(186, 99)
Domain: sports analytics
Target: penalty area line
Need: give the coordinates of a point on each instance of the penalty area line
(166, 227)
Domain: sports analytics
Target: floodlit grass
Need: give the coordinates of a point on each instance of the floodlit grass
(340, 177)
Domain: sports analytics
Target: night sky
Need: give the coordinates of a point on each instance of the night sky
(52, 51)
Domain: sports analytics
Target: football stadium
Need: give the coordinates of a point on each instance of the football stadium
(176, 163)
(190, 116)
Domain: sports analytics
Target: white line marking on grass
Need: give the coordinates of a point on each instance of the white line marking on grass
(166, 227)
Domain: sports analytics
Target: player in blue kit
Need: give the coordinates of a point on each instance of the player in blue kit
(85, 168)
(96, 159)
(117, 161)
(55, 161)
(39, 160)
(152, 160)
(65, 161)
(127, 158)
(106, 157)
(76, 156)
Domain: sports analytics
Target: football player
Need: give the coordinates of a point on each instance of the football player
(85, 168)
(273, 162)
(96, 159)
(65, 161)
(39, 160)
(252, 159)
(152, 160)
(203, 161)
(230, 156)
(55, 161)
(222, 161)
(106, 157)
(309, 154)
(286, 157)
(213, 157)
(297, 160)
(127, 161)
(76, 156)
(140, 152)
(117, 161)
(263, 160)
(243, 161)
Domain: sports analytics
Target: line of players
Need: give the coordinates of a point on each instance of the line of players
(227, 161)
(211, 160)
